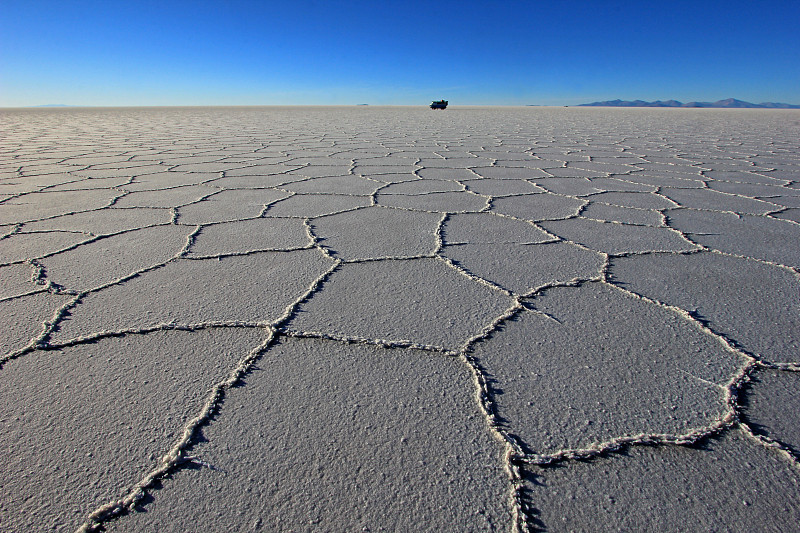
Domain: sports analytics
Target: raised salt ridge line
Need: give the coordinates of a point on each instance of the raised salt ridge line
(349, 320)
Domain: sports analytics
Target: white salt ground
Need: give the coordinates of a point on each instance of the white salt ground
(339, 319)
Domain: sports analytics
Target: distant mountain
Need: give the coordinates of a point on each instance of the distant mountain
(728, 103)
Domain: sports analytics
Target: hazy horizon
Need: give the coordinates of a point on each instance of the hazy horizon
(417, 104)
(409, 53)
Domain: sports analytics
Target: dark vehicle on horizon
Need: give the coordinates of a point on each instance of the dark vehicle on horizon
(439, 104)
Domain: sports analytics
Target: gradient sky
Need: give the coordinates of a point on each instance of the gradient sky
(110, 53)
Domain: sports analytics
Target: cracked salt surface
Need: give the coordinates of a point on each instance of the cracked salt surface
(60, 405)
(345, 319)
(327, 423)
(592, 363)
(718, 486)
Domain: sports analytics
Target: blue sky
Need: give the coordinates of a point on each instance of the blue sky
(403, 53)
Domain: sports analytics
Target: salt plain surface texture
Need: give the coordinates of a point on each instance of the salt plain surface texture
(337, 319)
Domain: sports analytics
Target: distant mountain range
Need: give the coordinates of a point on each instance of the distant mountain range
(729, 103)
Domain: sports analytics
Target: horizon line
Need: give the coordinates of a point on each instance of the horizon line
(591, 104)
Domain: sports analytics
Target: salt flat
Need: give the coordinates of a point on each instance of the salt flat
(395, 319)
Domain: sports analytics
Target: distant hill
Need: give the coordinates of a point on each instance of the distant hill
(728, 103)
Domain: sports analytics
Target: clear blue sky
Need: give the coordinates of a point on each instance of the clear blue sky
(405, 52)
